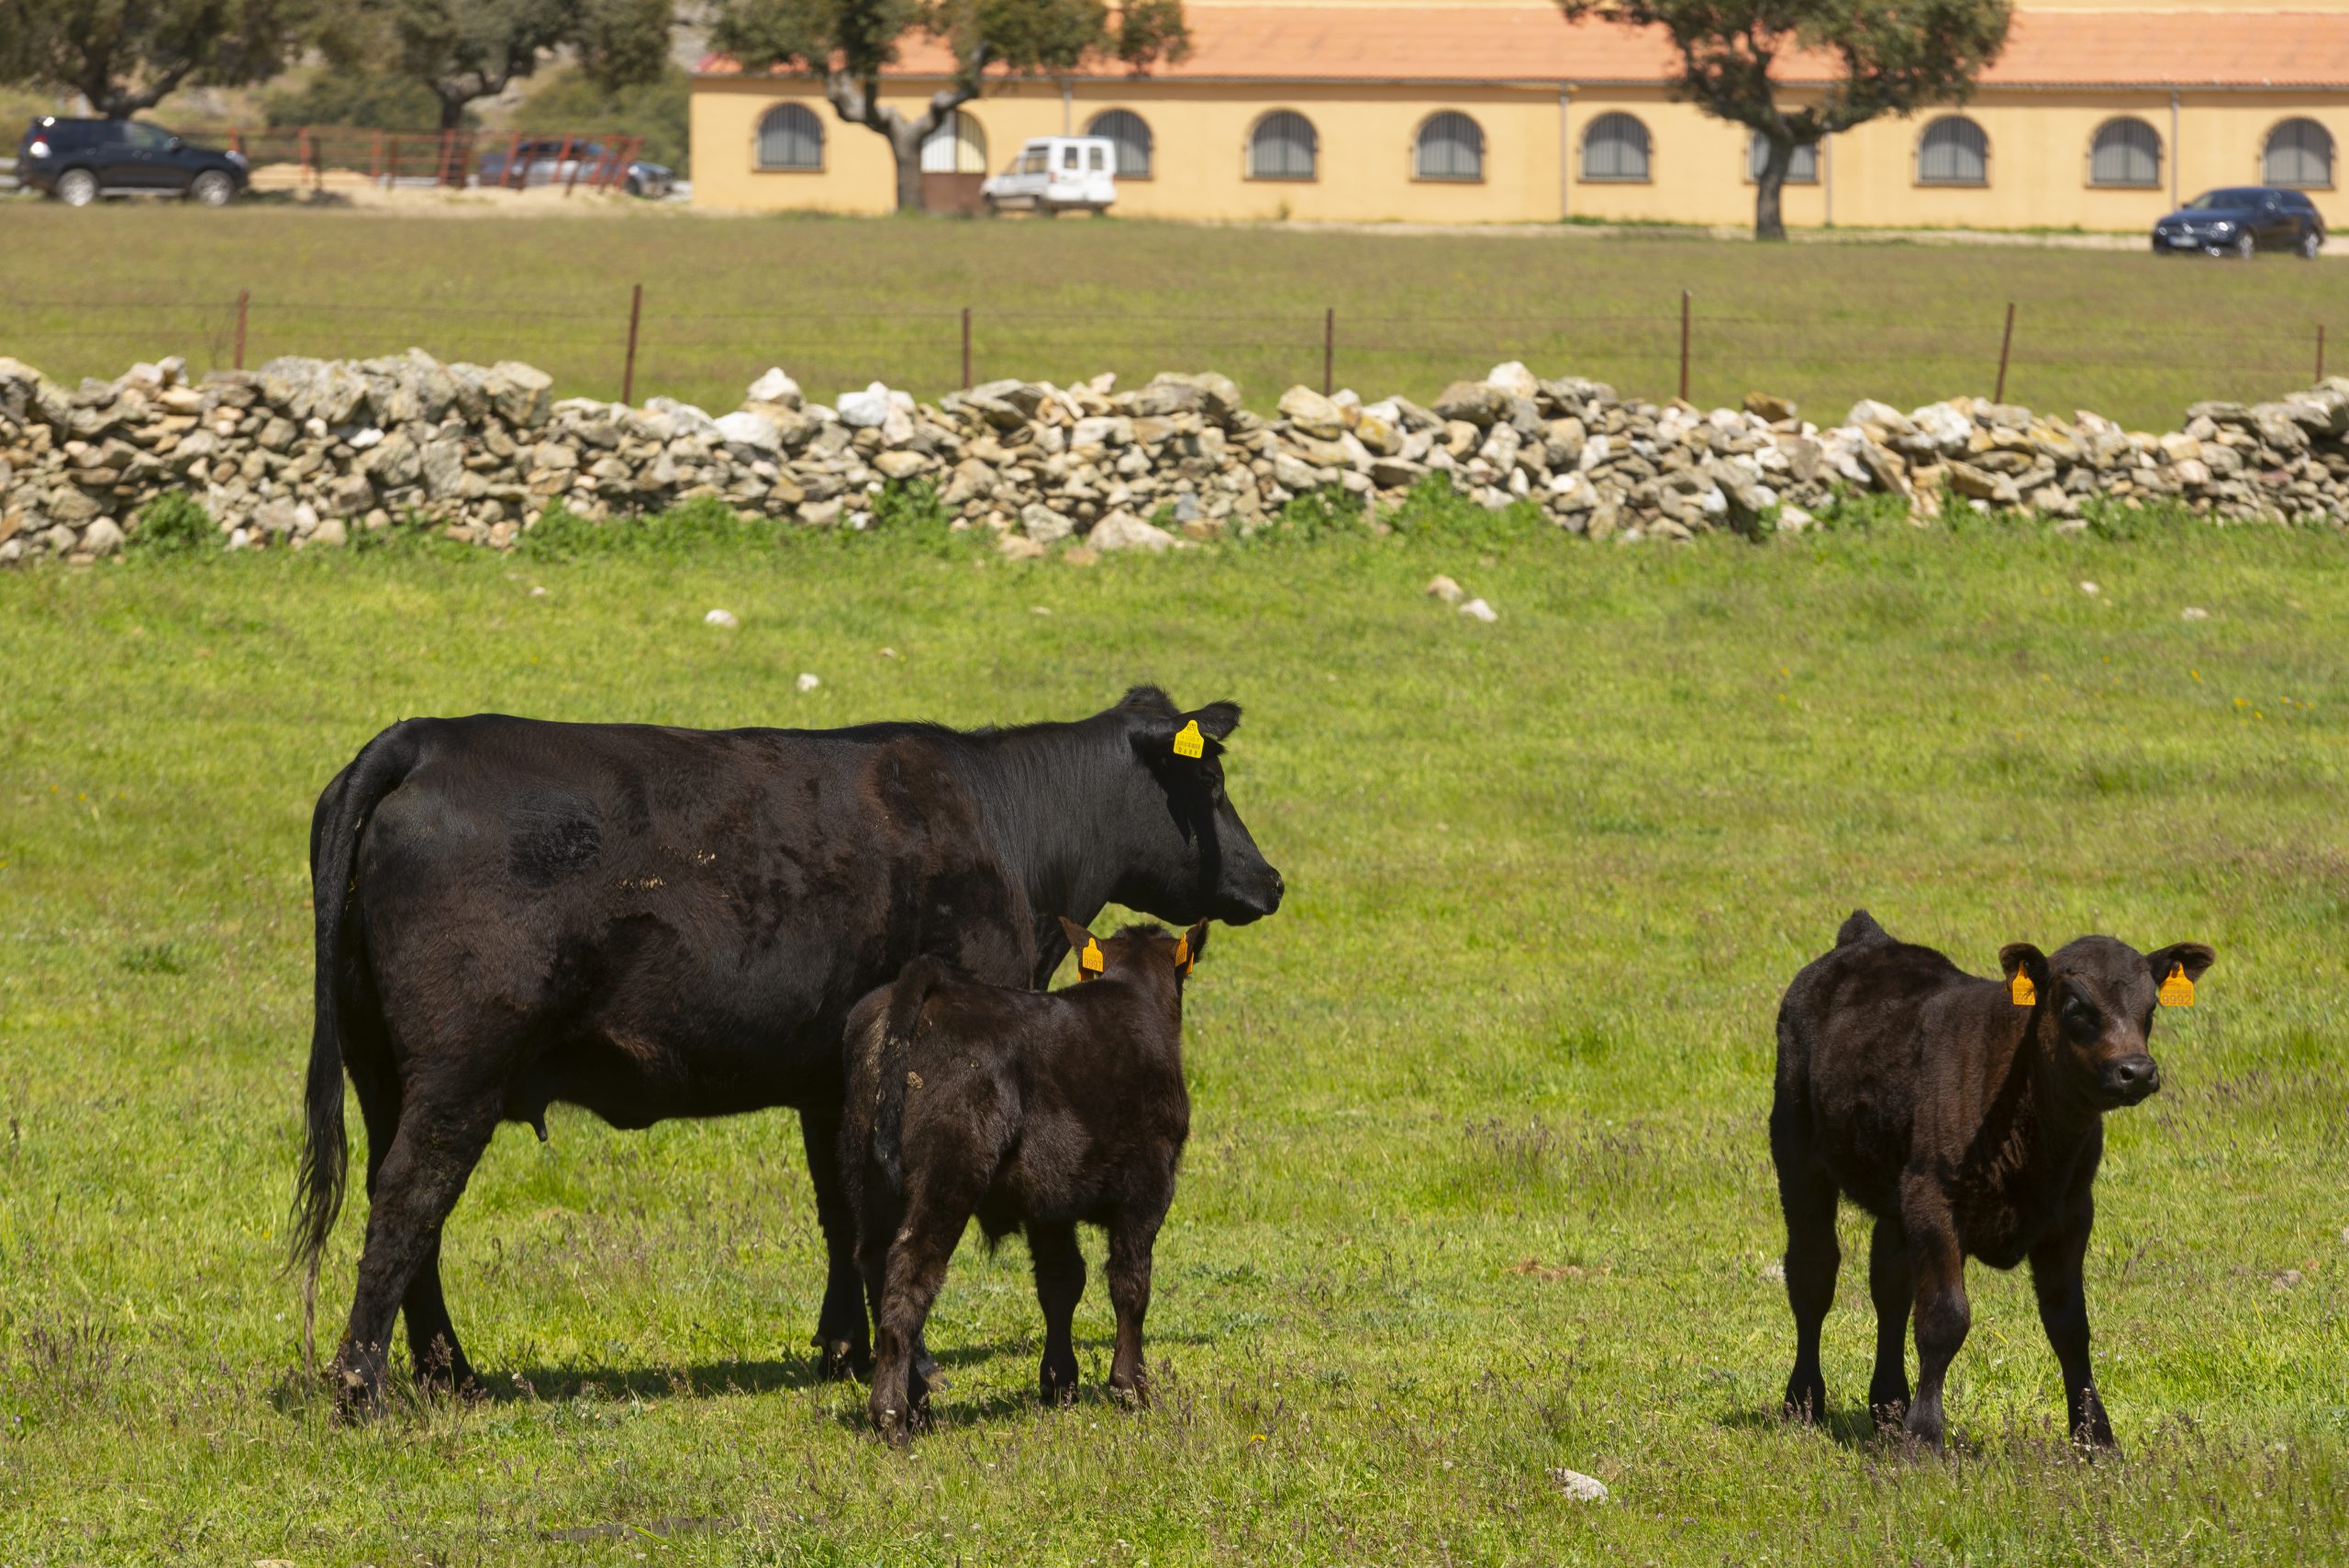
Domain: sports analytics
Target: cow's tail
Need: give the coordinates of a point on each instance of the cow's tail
(342, 812)
(914, 984)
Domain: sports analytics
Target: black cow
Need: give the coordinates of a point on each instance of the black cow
(1969, 1126)
(651, 922)
(1033, 1112)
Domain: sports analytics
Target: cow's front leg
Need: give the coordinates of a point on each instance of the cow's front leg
(841, 1336)
(2064, 1313)
(1942, 1313)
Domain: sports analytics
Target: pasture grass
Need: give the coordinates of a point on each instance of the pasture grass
(1478, 1187)
(840, 302)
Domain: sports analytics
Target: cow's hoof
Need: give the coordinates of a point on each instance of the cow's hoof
(845, 1361)
(358, 1399)
(1133, 1393)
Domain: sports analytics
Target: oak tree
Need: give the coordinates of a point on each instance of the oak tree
(127, 55)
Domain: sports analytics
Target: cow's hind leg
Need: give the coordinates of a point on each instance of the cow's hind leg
(413, 1186)
(842, 1333)
(1806, 1192)
(1060, 1284)
(934, 1222)
(1131, 1242)
(1892, 1286)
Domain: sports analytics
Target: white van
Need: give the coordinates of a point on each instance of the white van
(1056, 174)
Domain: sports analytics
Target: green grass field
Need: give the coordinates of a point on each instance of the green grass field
(1478, 1185)
(840, 302)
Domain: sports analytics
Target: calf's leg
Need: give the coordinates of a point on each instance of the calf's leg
(1060, 1284)
(1894, 1291)
(918, 1253)
(418, 1181)
(2063, 1312)
(1943, 1314)
(1807, 1193)
(840, 1331)
(1131, 1242)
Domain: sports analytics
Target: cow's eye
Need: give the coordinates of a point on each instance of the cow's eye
(2080, 1020)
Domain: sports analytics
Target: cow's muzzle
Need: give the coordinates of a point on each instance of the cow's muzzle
(2127, 1079)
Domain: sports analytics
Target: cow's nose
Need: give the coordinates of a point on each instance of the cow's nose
(2131, 1078)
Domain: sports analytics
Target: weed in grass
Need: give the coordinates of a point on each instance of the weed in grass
(174, 525)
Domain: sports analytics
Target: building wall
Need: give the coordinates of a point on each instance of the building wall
(2039, 148)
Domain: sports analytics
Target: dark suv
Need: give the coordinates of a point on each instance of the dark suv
(2236, 220)
(78, 161)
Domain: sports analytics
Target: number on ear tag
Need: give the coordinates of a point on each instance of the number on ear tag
(2026, 993)
(2177, 991)
(1189, 743)
(1088, 962)
(1183, 954)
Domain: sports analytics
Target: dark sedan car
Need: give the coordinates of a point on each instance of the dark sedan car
(77, 161)
(2240, 219)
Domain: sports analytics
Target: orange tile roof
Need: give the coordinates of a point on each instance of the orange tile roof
(1529, 43)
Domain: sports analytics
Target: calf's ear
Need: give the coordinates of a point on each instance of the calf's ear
(1217, 720)
(2193, 957)
(2026, 958)
(1195, 940)
(1077, 934)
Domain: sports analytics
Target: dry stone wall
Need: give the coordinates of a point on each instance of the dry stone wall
(305, 452)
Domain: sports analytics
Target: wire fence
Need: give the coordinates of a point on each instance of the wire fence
(637, 343)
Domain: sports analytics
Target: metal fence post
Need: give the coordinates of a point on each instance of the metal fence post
(966, 348)
(244, 300)
(1684, 345)
(627, 375)
(1328, 351)
(2006, 344)
(2320, 351)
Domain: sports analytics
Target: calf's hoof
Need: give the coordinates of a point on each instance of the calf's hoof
(1805, 1403)
(1133, 1393)
(1057, 1386)
(358, 1399)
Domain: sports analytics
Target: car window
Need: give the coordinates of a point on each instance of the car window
(2233, 197)
(1099, 158)
(147, 138)
(1033, 163)
(97, 133)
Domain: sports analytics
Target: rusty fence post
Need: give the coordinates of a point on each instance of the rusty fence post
(628, 375)
(244, 302)
(966, 348)
(1328, 351)
(1684, 345)
(2320, 351)
(2006, 346)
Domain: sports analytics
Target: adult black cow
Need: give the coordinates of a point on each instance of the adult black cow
(651, 922)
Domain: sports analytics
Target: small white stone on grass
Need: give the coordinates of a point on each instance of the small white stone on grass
(2194, 612)
(2090, 589)
(1444, 588)
(888, 653)
(538, 591)
(720, 617)
(1476, 610)
(1580, 1488)
(1773, 1273)
(808, 682)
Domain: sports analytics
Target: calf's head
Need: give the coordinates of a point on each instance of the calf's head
(1183, 852)
(1137, 946)
(2093, 1011)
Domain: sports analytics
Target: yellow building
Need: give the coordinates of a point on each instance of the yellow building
(2093, 117)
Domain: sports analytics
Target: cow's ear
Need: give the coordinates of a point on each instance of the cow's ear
(2025, 959)
(1153, 733)
(1217, 720)
(1077, 934)
(2192, 957)
(1195, 940)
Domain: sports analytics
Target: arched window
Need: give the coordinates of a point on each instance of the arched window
(1953, 151)
(1615, 147)
(1282, 147)
(959, 146)
(1131, 133)
(791, 136)
(2299, 153)
(1451, 147)
(1802, 169)
(2126, 152)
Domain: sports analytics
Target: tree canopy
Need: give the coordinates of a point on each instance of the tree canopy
(850, 43)
(1895, 56)
(127, 55)
(466, 49)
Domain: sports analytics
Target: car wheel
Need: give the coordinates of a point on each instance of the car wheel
(2311, 244)
(988, 206)
(77, 187)
(635, 186)
(2244, 247)
(212, 188)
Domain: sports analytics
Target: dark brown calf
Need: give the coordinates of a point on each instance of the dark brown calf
(1032, 1110)
(1967, 1116)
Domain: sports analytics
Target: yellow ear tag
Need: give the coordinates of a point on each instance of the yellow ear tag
(1183, 954)
(2026, 993)
(2177, 991)
(1088, 962)
(1189, 743)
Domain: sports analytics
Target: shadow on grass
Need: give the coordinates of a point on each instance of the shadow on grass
(1853, 1426)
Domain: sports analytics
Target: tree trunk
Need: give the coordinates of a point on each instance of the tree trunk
(1768, 223)
(906, 137)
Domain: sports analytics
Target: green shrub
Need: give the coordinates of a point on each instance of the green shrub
(175, 524)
